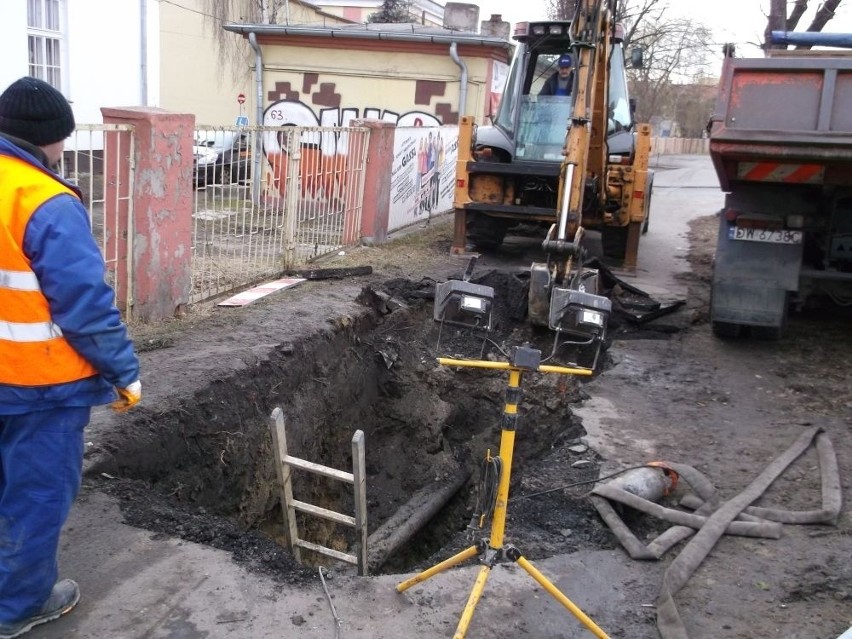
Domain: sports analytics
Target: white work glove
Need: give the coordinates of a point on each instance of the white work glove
(127, 397)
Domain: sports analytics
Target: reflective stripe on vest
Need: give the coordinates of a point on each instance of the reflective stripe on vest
(30, 332)
(33, 351)
(19, 280)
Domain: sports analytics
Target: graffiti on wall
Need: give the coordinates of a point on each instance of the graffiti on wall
(325, 154)
(319, 104)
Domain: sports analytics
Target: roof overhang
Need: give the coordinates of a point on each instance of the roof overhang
(416, 33)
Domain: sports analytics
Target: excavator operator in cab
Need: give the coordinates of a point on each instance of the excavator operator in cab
(561, 81)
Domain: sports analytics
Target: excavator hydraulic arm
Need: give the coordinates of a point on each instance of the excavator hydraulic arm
(584, 141)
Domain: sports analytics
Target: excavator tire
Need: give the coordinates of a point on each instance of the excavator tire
(649, 191)
(614, 241)
(486, 232)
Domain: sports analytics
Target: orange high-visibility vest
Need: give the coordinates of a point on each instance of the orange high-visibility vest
(33, 351)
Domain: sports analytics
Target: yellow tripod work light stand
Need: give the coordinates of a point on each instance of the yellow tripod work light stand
(492, 551)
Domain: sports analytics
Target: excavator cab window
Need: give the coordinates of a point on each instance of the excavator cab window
(537, 123)
(506, 111)
(620, 114)
(543, 116)
(541, 127)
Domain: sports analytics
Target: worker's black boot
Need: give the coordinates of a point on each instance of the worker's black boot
(63, 598)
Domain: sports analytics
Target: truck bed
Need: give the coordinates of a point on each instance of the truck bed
(784, 119)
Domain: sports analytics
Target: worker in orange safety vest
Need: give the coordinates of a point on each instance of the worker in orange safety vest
(63, 349)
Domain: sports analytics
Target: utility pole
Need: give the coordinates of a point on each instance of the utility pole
(777, 22)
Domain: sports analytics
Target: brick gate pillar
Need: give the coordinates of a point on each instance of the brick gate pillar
(162, 209)
(377, 182)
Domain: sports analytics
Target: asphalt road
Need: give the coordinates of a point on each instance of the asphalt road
(685, 187)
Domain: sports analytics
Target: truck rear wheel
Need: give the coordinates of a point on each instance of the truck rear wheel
(727, 330)
(767, 333)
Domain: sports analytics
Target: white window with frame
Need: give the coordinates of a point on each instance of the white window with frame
(44, 35)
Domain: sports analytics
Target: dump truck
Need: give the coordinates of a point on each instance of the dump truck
(527, 170)
(781, 145)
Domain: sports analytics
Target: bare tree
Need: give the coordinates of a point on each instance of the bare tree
(631, 14)
(777, 21)
(824, 14)
(677, 53)
(561, 9)
(635, 14)
(234, 55)
(796, 14)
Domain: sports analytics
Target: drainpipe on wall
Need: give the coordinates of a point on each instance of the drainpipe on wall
(258, 81)
(143, 52)
(454, 54)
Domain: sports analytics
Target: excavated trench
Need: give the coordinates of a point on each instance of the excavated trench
(205, 472)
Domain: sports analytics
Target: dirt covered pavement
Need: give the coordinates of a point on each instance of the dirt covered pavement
(174, 533)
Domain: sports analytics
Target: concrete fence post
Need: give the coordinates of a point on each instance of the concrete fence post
(162, 205)
(377, 180)
(292, 195)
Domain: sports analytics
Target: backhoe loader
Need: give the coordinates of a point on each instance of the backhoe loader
(564, 163)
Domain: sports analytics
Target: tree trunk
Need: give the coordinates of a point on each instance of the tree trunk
(824, 14)
(777, 22)
(796, 14)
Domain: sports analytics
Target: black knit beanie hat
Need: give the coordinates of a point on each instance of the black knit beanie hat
(32, 110)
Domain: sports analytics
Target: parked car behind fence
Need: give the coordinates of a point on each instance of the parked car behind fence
(221, 157)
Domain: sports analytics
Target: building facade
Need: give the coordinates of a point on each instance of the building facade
(59, 41)
(408, 74)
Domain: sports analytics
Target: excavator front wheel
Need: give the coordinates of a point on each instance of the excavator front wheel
(484, 231)
(614, 241)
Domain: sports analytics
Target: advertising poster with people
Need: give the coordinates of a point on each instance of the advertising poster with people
(423, 174)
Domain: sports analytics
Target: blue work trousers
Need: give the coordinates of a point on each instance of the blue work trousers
(41, 459)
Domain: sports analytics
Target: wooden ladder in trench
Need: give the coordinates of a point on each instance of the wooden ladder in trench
(284, 464)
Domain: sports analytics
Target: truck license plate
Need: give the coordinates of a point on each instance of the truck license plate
(765, 235)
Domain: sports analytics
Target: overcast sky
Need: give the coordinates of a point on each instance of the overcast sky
(738, 21)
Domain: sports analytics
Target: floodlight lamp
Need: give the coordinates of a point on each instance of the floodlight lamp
(472, 304)
(578, 313)
(464, 304)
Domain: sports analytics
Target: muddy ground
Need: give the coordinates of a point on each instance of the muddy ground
(425, 424)
(197, 465)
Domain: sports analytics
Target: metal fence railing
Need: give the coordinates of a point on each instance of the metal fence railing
(98, 159)
(268, 199)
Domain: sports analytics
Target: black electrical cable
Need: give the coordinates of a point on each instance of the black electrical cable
(489, 481)
(580, 483)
